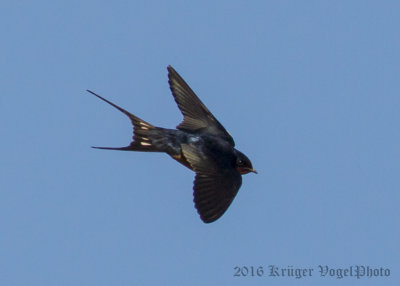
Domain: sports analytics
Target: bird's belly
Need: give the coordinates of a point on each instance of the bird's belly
(175, 147)
(181, 159)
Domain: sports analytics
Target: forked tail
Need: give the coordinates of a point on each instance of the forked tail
(144, 134)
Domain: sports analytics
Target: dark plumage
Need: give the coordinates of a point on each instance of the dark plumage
(200, 143)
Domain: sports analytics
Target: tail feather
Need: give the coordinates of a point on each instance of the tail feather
(143, 132)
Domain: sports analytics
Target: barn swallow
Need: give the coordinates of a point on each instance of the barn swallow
(200, 143)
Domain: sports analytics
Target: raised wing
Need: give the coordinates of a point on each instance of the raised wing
(196, 116)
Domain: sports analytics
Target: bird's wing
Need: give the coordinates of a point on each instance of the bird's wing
(214, 187)
(196, 116)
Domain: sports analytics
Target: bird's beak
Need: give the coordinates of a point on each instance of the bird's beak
(244, 171)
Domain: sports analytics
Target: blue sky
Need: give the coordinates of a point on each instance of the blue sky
(309, 91)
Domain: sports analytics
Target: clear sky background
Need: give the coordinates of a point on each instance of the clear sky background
(308, 89)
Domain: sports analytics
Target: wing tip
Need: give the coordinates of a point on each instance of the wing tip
(208, 220)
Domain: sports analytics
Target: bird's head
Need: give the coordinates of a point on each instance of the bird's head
(243, 164)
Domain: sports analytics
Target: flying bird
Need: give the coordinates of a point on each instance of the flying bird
(200, 143)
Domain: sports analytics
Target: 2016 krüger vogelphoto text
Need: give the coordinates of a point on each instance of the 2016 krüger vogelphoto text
(319, 271)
